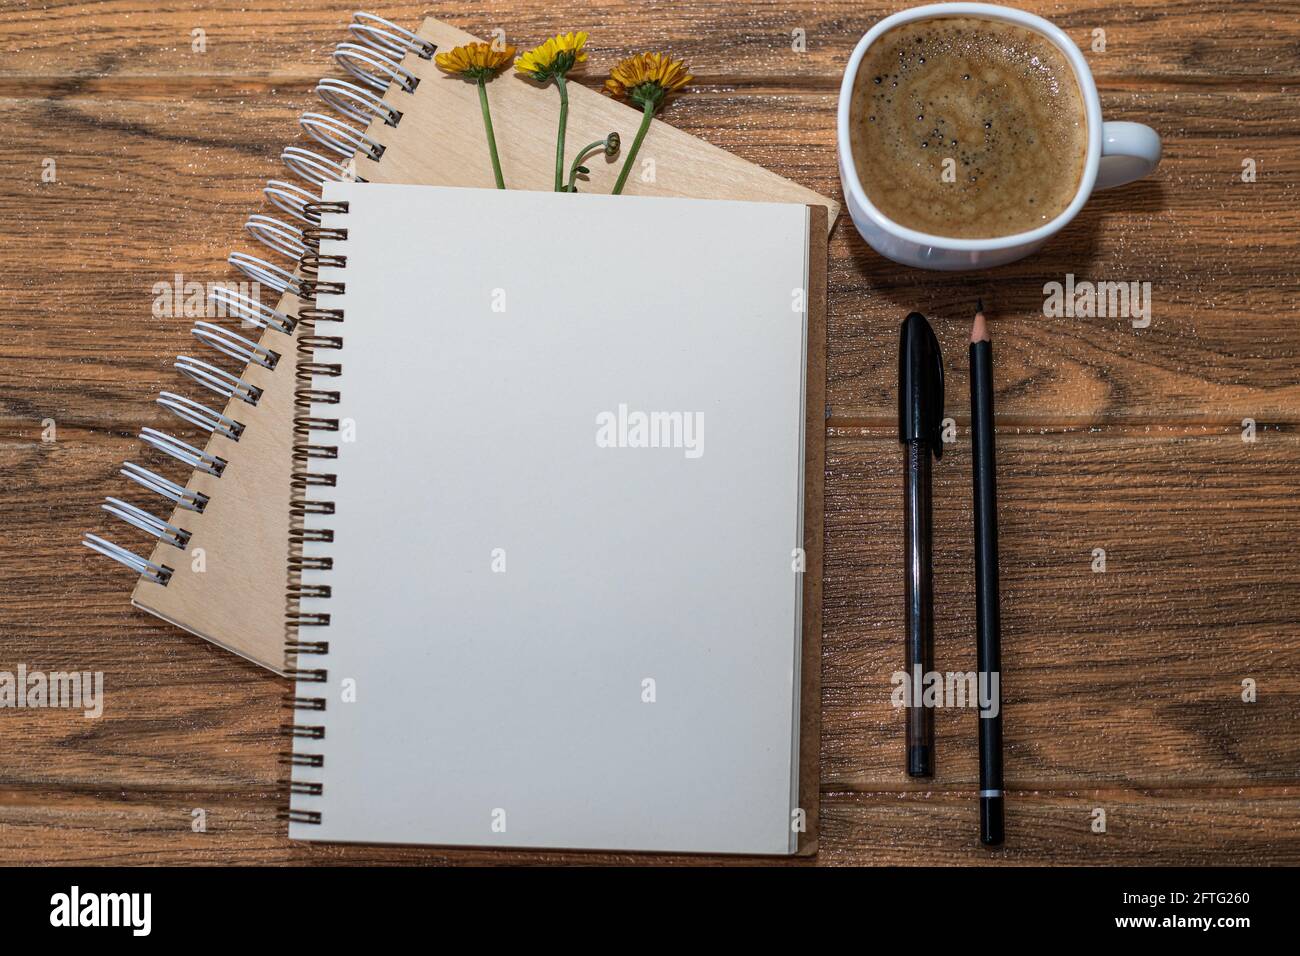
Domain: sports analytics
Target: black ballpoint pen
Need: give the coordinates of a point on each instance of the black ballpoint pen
(987, 617)
(920, 417)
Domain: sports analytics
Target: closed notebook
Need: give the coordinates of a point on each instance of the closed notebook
(558, 523)
(222, 465)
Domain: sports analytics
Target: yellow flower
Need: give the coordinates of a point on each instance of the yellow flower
(647, 78)
(480, 62)
(475, 61)
(555, 57)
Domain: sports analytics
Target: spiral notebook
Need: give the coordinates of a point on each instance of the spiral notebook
(216, 568)
(550, 574)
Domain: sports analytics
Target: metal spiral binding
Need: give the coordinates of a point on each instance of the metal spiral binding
(389, 38)
(373, 68)
(191, 411)
(314, 167)
(264, 273)
(132, 515)
(181, 496)
(184, 452)
(276, 235)
(302, 507)
(311, 262)
(339, 136)
(252, 311)
(374, 61)
(217, 379)
(157, 573)
(289, 198)
(235, 345)
(355, 102)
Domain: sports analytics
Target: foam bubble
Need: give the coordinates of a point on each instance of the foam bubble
(1012, 115)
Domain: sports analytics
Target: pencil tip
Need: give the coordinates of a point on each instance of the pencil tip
(979, 305)
(979, 330)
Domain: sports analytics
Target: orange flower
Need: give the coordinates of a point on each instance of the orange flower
(475, 61)
(647, 78)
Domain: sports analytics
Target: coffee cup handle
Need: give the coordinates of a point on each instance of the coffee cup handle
(1129, 151)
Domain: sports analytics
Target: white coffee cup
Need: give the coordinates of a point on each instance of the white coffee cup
(1118, 153)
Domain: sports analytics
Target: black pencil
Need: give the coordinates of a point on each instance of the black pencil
(987, 615)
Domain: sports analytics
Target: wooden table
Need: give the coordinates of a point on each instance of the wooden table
(1123, 688)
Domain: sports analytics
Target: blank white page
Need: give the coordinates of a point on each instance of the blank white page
(545, 631)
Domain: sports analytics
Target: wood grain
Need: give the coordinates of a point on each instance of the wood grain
(1220, 347)
(860, 829)
(281, 41)
(1151, 828)
(1130, 676)
(1123, 688)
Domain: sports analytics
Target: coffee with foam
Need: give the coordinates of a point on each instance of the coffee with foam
(968, 127)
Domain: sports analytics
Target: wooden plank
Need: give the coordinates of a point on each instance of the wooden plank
(177, 711)
(1222, 338)
(1146, 41)
(1122, 681)
(95, 826)
(1132, 676)
(166, 191)
(92, 826)
(1153, 829)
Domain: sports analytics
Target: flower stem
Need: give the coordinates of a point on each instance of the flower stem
(559, 138)
(577, 161)
(491, 136)
(636, 145)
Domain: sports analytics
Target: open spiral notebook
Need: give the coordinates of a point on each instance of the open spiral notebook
(554, 579)
(217, 565)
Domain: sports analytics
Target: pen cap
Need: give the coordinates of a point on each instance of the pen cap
(920, 384)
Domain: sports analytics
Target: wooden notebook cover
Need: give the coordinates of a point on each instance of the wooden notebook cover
(442, 143)
(233, 594)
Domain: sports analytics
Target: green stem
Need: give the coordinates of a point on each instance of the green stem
(559, 138)
(636, 145)
(491, 136)
(577, 160)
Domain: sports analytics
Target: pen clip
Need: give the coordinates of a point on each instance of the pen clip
(935, 428)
